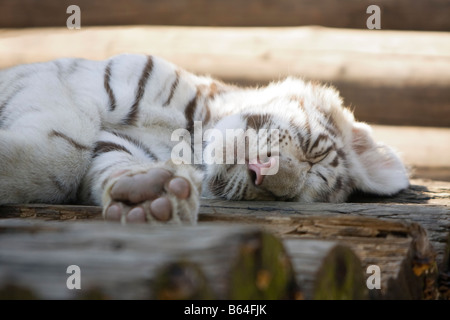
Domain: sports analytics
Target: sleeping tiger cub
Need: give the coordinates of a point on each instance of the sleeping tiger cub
(104, 133)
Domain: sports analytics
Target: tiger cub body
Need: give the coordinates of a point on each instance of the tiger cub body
(102, 132)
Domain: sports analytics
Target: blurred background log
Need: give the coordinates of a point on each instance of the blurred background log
(387, 77)
(431, 15)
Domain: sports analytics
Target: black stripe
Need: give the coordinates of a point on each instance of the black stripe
(321, 176)
(307, 141)
(69, 140)
(257, 121)
(8, 99)
(59, 185)
(106, 81)
(207, 116)
(216, 185)
(132, 115)
(335, 161)
(341, 154)
(338, 184)
(172, 89)
(300, 139)
(138, 144)
(59, 70)
(328, 123)
(244, 191)
(106, 146)
(73, 66)
(317, 141)
(66, 191)
(189, 112)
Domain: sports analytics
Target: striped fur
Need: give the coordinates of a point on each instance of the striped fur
(66, 126)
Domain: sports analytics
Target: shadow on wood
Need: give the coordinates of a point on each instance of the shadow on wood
(399, 14)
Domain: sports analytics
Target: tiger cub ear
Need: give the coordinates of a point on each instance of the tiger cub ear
(376, 167)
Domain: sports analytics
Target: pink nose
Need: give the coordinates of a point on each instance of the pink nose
(258, 168)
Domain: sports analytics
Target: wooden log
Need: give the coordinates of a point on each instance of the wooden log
(387, 77)
(140, 262)
(425, 202)
(444, 275)
(400, 14)
(327, 270)
(401, 250)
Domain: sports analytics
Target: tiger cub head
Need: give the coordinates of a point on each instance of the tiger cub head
(294, 141)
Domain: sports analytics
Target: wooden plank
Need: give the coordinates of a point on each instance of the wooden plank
(141, 262)
(387, 77)
(400, 14)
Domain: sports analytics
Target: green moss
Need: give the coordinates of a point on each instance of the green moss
(262, 270)
(15, 292)
(340, 277)
(181, 280)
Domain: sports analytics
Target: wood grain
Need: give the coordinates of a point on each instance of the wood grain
(141, 262)
(387, 77)
(406, 235)
(399, 14)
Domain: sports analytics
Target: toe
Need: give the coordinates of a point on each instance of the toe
(161, 209)
(180, 187)
(136, 215)
(113, 213)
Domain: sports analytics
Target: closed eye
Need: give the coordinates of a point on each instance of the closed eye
(319, 157)
(321, 176)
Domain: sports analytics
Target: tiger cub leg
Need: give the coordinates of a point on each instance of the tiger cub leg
(133, 186)
(42, 164)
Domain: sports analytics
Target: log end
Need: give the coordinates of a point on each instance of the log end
(181, 280)
(263, 270)
(340, 277)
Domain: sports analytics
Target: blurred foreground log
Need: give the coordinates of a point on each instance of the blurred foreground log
(401, 250)
(407, 236)
(327, 270)
(140, 262)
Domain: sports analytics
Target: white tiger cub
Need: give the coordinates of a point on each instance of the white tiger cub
(101, 132)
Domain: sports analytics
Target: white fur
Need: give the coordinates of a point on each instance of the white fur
(54, 115)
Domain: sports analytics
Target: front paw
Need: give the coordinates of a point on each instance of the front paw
(162, 194)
